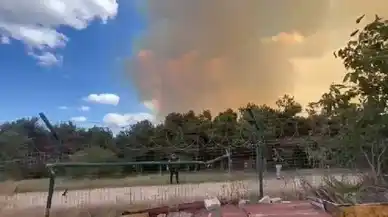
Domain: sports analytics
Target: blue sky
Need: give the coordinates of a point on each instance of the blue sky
(92, 64)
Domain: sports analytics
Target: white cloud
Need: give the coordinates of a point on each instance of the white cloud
(63, 107)
(84, 108)
(78, 119)
(5, 40)
(104, 98)
(34, 23)
(123, 120)
(46, 58)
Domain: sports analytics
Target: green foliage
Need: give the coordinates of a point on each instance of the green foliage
(359, 107)
(364, 125)
(93, 154)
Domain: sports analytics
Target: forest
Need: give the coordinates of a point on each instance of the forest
(347, 126)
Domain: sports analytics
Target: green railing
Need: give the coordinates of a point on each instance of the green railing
(53, 166)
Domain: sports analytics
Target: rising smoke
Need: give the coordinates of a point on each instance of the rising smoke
(217, 54)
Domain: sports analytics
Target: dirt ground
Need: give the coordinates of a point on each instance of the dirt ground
(41, 185)
(155, 194)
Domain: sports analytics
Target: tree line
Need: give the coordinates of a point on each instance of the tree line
(347, 125)
(27, 144)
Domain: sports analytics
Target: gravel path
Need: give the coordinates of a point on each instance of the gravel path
(154, 194)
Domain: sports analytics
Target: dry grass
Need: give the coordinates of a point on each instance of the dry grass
(342, 190)
(130, 195)
(232, 191)
(115, 210)
(41, 185)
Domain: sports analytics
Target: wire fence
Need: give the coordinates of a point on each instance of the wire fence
(239, 175)
(290, 164)
(223, 176)
(260, 159)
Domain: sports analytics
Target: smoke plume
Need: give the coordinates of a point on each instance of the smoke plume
(217, 54)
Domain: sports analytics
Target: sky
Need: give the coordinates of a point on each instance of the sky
(64, 58)
(115, 62)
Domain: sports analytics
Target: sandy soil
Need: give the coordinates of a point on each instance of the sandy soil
(154, 194)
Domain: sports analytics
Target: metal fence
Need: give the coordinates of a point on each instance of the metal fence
(224, 171)
(228, 175)
(288, 164)
(225, 176)
(239, 175)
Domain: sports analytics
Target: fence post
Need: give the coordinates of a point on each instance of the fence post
(57, 147)
(259, 168)
(259, 150)
(50, 192)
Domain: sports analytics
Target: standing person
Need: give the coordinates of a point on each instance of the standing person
(278, 161)
(174, 168)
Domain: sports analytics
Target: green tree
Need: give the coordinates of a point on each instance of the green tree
(359, 104)
(93, 154)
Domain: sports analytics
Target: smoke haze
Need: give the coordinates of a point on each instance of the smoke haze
(217, 54)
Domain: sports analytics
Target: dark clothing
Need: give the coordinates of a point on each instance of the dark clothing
(176, 173)
(174, 169)
(174, 166)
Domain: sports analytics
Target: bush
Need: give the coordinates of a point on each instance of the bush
(92, 155)
(343, 191)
